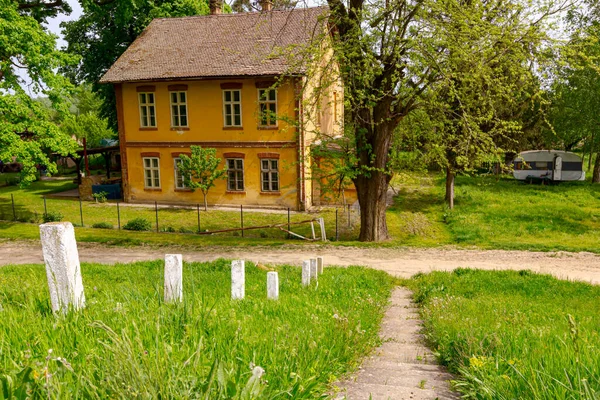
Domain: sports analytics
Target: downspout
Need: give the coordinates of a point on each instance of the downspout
(301, 165)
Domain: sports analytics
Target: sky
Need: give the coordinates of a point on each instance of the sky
(54, 24)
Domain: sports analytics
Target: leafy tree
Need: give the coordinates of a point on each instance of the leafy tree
(397, 56)
(27, 133)
(201, 170)
(106, 28)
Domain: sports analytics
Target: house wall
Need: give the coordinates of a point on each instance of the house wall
(205, 128)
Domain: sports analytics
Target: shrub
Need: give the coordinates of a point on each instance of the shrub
(102, 225)
(167, 229)
(100, 197)
(138, 224)
(52, 216)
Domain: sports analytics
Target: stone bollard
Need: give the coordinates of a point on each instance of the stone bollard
(306, 272)
(272, 285)
(313, 269)
(319, 265)
(62, 266)
(173, 278)
(238, 279)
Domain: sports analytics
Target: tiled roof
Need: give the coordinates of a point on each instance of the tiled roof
(224, 45)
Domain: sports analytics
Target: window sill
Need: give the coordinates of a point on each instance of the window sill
(183, 190)
(267, 128)
(180, 128)
(152, 189)
(233, 128)
(235, 192)
(148, 129)
(270, 193)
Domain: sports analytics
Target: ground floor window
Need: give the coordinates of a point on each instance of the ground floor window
(152, 172)
(179, 182)
(235, 174)
(269, 175)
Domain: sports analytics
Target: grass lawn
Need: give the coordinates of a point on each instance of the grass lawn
(127, 343)
(513, 335)
(490, 213)
(499, 214)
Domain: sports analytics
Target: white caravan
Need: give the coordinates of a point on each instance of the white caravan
(548, 165)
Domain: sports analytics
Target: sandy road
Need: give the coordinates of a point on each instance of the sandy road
(398, 262)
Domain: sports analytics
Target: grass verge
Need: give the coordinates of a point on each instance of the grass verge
(513, 335)
(127, 343)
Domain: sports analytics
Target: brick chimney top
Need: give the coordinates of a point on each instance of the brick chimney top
(266, 5)
(215, 7)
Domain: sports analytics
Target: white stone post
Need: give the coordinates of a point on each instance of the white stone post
(319, 265)
(238, 279)
(272, 285)
(62, 266)
(173, 278)
(306, 272)
(313, 269)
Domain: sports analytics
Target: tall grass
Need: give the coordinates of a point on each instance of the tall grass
(513, 335)
(127, 343)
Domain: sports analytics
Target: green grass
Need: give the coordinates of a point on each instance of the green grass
(29, 207)
(490, 213)
(513, 335)
(498, 214)
(127, 343)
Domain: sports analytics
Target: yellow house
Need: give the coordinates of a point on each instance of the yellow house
(240, 83)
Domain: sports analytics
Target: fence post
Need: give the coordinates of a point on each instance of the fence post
(118, 215)
(289, 227)
(198, 208)
(242, 218)
(45, 207)
(80, 211)
(12, 198)
(156, 211)
(337, 236)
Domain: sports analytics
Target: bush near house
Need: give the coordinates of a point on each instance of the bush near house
(138, 224)
(127, 343)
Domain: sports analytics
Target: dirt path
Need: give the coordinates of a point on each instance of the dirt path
(398, 262)
(402, 367)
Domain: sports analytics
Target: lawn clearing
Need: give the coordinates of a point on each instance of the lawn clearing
(513, 335)
(127, 343)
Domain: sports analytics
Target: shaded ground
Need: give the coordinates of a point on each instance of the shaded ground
(398, 262)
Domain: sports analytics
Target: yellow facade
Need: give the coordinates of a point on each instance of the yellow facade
(205, 127)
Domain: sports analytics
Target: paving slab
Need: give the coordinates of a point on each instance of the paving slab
(402, 367)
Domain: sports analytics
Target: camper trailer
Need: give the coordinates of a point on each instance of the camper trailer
(548, 165)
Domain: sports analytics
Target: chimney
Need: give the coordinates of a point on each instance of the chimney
(215, 7)
(266, 5)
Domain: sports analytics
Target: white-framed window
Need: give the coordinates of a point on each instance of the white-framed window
(269, 174)
(179, 109)
(235, 174)
(152, 172)
(267, 106)
(232, 107)
(147, 110)
(179, 182)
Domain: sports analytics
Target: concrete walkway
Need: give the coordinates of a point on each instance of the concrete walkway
(402, 368)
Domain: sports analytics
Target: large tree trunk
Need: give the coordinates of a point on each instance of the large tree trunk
(372, 196)
(449, 187)
(373, 142)
(596, 175)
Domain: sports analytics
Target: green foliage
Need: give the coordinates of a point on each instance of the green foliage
(52, 216)
(206, 347)
(201, 169)
(106, 29)
(138, 224)
(102, 225)
(26, 130)
(100, 196)
(513, 334)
